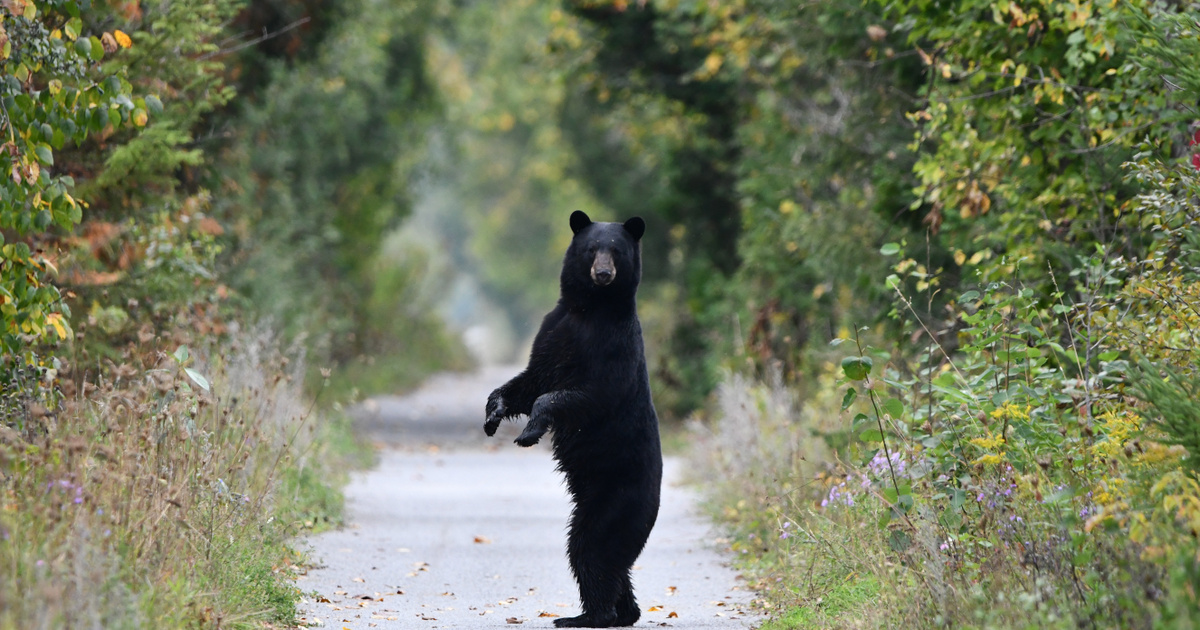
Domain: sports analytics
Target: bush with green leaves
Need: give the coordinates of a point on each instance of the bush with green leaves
(54, 91)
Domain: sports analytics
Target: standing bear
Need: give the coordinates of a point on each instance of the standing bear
(586, 383)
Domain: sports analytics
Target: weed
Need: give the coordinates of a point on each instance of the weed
(167, 497)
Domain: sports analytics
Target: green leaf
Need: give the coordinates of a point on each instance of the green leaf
(849, 398)
(871, 435)
(153, 104)
(894, 408)
(890, 249)
(181, 354)
(957, 497)
(97, 49)
(44, 155)
(73, 27)
(198, 378)
(856, 368)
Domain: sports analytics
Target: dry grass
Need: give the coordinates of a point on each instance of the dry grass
(151, 502)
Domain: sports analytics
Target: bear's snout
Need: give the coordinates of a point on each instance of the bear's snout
(603, 269)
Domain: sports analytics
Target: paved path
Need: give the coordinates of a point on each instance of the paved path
(452, 531)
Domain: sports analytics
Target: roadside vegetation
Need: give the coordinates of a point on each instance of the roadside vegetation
(168, 425)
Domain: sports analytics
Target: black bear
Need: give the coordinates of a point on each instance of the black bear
(586, 383)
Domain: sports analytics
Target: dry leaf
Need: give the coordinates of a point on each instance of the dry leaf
(654, 609)
(122, 39)
(548, 614)
(358, 579)
(513, 620)
(483, 540)
(673, 615)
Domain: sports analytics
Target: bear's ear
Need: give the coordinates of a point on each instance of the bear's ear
(579, 220)
(637, 227)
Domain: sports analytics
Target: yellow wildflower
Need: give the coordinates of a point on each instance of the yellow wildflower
(990, 443)
(991, 459)
(1012, 412)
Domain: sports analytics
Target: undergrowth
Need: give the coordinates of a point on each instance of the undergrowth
(166, 494)
(1032, 465)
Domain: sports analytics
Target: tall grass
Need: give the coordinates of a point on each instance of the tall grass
(165, 494)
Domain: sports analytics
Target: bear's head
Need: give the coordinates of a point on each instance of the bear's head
(603, 265)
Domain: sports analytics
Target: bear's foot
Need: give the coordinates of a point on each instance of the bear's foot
(592, 621)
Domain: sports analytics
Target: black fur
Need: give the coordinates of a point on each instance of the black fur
(586, 383)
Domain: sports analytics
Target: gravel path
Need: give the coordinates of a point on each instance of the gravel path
(450, 531)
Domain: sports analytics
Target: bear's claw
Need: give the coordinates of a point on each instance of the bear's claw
(528, 439)
(495, 411)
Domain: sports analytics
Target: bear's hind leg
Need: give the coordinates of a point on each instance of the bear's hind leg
(597, 571)
(627, 608)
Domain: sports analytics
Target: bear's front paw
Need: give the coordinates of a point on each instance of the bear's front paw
(496, 410)
(529, 437)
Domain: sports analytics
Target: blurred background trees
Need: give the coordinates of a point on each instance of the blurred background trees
(382, 179)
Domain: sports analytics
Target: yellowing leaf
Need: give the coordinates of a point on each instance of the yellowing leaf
(123, 40)
(139, 117)
(55, 320)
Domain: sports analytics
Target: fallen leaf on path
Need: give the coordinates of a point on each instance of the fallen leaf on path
(548, 614)
(654, 609)
(447, 594)
(483, 540)
(514, 620)
(673, 615)
(358, 579)
(323, 600)
(670, 590)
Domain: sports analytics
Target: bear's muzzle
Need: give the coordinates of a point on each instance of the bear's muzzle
(603, 269)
